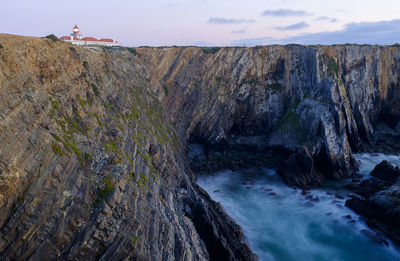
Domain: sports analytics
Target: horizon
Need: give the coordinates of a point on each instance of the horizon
(210, 22)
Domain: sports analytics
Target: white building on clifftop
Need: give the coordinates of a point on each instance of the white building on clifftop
(76, 38)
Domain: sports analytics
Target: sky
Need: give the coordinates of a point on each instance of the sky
(208, 22)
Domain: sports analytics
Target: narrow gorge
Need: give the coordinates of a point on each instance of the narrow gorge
(99, 147)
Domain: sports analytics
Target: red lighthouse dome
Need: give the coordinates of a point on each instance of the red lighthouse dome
(75, 30)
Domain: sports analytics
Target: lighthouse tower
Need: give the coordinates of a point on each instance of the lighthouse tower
(75, 33)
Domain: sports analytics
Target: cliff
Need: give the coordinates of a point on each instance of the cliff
(90, 168)
(94, 141)
(313, 105)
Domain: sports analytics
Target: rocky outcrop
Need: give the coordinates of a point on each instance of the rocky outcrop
(380, 200)
(91, 169)
(386, 171)
(313, 105)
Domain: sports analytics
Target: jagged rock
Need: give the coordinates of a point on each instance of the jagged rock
(93, 157)
(386, 171)
(368, 187)
(374, 237)
(382, 210)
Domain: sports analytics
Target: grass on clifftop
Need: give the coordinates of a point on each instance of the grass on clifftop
(132, 51)
(210, 50)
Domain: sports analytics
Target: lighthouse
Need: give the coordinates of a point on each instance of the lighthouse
(76, 38)
(75, 33)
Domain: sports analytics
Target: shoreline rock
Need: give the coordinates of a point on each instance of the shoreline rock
(380, 202)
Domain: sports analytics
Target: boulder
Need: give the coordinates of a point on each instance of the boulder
(382, 211)
(368, 187)
(386, 171)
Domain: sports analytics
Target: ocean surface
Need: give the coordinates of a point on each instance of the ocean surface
(283, 223)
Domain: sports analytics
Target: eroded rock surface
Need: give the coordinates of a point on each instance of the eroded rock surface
(91, 169)
(93, 141)
(312, 105)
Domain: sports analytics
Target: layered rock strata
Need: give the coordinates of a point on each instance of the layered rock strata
(94, 141)
(90, 168)
(312, 105)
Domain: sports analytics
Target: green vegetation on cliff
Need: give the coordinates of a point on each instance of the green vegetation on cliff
(210, 50)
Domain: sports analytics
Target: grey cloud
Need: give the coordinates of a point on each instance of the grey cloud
(219, 20)
(326, 18)
(285, 12)
(382, 32)
(296, 26)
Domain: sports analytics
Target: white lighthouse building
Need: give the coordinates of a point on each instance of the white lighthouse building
(76, 38)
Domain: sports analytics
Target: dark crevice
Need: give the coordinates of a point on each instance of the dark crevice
(206, 232)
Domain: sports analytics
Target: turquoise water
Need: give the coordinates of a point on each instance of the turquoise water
(282, 223)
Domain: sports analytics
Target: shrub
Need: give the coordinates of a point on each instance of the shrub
(85, 64)
(104, 192)
(210, 50)
(333, 67)
(1, 46)
(56, 149)
(52, 37)
(275, 86)
(95, 89)
(132, 51)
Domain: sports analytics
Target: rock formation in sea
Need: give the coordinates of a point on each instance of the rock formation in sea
(98, 146)
(380, 200)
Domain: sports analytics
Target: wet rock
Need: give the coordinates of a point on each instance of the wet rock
(357, 178)
(315, 199)
(374, 237)
(386, 172)
(381, 211)
(369, 187)
(359, 206)
(339, 196)
(248, 182)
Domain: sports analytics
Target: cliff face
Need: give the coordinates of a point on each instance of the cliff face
(91, 169)
(312, 104)
(93, 141)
